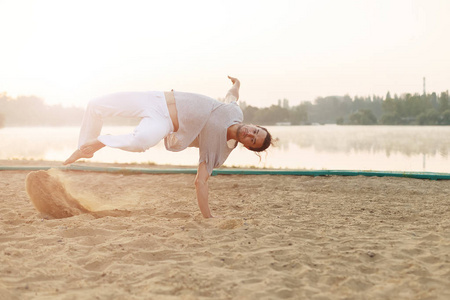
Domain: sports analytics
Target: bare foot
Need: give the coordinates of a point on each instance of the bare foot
(86, 151)
(76, 156)
(92, 146)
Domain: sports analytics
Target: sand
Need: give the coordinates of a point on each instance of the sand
(278, 237)
(54, 199)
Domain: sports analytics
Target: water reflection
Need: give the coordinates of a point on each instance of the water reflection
(394, 148)
(405, 140)
(35, 142)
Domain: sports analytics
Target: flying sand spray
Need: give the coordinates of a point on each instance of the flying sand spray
(49, 194)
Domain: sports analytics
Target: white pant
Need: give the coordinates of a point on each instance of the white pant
(151, 107)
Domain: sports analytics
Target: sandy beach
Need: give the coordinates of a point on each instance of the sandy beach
(277, 237)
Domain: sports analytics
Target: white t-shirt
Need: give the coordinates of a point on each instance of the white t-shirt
(203, 123)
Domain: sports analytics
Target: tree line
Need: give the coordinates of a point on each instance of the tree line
(407, 109)
(32, 111)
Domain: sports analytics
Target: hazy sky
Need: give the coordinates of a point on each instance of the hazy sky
(70, 51)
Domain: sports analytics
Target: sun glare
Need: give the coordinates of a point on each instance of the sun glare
(70, 51)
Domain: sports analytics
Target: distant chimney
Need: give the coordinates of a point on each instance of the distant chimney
(424, 90)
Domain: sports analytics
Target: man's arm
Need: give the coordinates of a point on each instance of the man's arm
(201, 187)
(233, 93)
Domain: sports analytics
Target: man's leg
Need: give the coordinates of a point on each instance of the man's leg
(154, 126)
(127, 104)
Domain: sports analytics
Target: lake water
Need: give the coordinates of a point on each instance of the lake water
(382, 148)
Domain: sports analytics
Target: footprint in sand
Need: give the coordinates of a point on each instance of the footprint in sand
(231, 224)
(50, 197)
